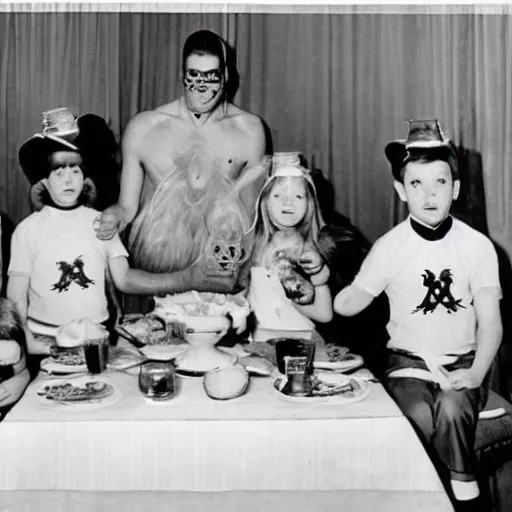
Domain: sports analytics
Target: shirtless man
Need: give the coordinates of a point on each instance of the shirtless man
(192, 170)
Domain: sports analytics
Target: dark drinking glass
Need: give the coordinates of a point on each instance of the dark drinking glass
(96, 355)
(157, 380)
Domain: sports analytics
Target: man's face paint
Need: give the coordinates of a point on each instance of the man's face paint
(204, 83)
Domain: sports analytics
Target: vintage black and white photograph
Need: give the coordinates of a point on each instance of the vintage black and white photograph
(255, 257)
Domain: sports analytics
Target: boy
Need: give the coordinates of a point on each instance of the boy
(441, 278)
(58, 265)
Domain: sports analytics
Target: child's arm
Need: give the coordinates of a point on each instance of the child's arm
(17, 291)
(489, 332)
(12, 389)
(352, 300)
(321, 308)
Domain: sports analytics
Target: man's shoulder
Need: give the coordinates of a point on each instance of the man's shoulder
(245, 120)
(144, 121)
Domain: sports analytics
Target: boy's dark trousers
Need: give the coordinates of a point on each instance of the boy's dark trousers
(445, 420)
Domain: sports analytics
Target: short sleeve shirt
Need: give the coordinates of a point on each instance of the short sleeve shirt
(431, 285)
(66, 263)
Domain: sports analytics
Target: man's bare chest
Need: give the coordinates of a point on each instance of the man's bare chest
(184, 148)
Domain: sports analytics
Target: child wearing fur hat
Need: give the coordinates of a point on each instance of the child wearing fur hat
(288, 284)
(441, 278)
(58, 266)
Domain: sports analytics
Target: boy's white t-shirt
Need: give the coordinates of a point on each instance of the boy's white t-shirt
(66, 263)
(430, 286)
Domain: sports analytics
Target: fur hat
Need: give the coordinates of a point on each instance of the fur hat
(88, 135)
(423, 134)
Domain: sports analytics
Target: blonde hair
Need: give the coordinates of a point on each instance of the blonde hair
(265, 229)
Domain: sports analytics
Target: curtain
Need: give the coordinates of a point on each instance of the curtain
(336, 87)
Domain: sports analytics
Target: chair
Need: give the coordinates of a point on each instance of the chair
(493, 449)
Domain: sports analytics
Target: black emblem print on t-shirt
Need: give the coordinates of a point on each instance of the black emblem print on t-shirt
(72, 272)
(438, 293)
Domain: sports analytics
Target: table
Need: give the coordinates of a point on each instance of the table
(200, 454)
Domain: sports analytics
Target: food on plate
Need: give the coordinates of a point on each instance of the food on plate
(193, 306)
(76, 332)
(10, 352)
(337, 353)
(256, 364)
(226, 383)
(262, 349)
(325, 384)
(151, 330)
(68, 392)
(68, 356)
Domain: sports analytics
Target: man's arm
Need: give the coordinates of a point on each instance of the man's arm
(489, 333)
(17, 291)
(256, 141)
(135, 281)
(118, 216)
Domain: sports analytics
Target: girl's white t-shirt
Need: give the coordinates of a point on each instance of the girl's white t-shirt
(271, 307)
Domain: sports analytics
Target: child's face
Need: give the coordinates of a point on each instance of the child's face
(428, 189)
(66, 180)
(287, 202)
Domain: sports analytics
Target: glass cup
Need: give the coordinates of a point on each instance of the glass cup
(157, 380)
(295, 348)
(96, 354)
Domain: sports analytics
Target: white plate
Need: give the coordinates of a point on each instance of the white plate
(119, 359)
(49, 366)
(111, 399)
(350, 362)
(162, 352)
(366, 389)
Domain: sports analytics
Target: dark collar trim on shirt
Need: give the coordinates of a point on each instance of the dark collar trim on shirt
(432, 234)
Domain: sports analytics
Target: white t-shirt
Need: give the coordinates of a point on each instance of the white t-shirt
(430, 286)
(66, 263)
(271, 307)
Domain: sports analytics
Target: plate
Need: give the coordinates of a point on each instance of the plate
(162, 352)
(187, 372)
(84, 392)
(350, 362)
(67, 361)
(359, 391)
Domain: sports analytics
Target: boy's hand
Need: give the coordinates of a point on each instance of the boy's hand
(311, 261)
(321, 278)
(464, 379)
(106, 225)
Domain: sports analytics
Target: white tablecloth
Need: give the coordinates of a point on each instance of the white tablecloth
(191, 443)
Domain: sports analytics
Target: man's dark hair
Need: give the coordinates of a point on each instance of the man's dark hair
(426, 155)
(205, 42)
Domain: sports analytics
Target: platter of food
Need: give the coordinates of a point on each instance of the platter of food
(335, 357)
(83, 392)
(64, 361)
(327, 387)
(201, 307)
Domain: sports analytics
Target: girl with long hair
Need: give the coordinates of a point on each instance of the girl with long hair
(288, 286)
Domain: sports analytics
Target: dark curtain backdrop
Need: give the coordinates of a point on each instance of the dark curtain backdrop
(337, 87)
